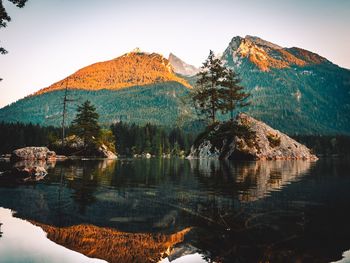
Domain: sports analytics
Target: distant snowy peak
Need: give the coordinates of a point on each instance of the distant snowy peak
(182, 67)
(266, 55)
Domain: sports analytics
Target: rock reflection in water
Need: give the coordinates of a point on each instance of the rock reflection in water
(251, 181)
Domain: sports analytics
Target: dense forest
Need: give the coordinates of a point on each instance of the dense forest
(130, 138)
(326, 145)
(160, 104)
(153, 139)
(17, 135)
(133, 139)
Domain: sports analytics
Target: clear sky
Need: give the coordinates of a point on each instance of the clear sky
(50, 39)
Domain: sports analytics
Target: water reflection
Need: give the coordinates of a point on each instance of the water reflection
(252, 180)
(246, 211)
(24, 242)
(113, 245)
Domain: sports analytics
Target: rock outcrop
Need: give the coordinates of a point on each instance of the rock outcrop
(182, 67)
(104, 152)
(33, 153)
(248, 138)
(74, 145)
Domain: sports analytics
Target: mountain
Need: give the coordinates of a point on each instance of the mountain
(182, 67)
(292, 90)
(266, 55)
(132, 69)
(136, 87)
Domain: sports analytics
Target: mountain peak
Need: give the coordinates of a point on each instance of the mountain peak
(182, 67)
(132, 69)
(266, 55)
(136, 50)
(261, 42)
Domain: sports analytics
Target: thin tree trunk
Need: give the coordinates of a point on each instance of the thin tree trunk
(213, 102)
(231, 111)
(213, 114)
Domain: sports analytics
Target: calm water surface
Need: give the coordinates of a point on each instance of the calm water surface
(179, 211)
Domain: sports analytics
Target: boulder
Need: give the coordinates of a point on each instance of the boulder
(33, 153)
(250, 139)
(105, 153)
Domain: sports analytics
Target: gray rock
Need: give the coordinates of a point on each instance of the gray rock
(264, 142)
(33, 153)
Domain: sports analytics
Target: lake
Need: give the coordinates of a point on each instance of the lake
(175, 210)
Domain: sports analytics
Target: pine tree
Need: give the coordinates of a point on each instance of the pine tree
(233, 95)
(85, 124)
(208, 92)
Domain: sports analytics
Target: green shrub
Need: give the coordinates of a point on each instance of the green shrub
(274, 140)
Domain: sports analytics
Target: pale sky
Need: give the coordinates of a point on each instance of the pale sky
(49, 39)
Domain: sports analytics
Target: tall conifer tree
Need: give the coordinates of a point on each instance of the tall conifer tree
(85, 124)
(233, 93)
(217, 89)
(208, 93)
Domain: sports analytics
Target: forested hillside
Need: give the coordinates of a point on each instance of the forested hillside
(160, 104)
(293, 90)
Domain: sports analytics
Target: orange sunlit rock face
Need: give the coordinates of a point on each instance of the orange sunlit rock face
(267, 57)
(307, 56)
(113, 245)
(132, 69)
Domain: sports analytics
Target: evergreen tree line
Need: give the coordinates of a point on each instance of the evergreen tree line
(326, 144)
(18, 135)
(133, 139)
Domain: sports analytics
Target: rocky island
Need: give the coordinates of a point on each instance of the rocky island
(248, 139)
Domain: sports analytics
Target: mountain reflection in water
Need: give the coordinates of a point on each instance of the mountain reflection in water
(23, 242)
(112, 245)
(223, 211)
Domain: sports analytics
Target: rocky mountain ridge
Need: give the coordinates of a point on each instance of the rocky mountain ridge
(266, 55)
